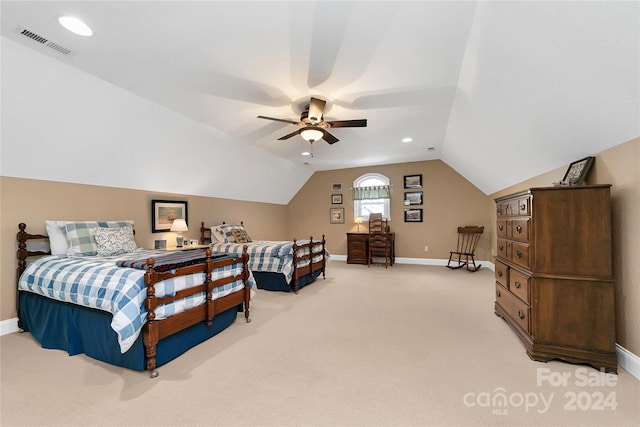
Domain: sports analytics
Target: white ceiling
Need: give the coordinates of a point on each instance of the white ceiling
(500, 91)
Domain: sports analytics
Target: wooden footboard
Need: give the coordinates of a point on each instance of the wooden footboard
(155, 330)
(298, 272)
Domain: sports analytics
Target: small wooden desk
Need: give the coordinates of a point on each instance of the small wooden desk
(358, 248)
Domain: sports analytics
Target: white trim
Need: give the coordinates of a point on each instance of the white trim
(628, 361)
(9, 326)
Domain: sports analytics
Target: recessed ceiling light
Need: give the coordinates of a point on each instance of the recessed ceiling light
(75, 25)
(407, 139)
(431, 149)
(306, 153)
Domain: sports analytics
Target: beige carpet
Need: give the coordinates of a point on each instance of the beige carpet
(411, 345)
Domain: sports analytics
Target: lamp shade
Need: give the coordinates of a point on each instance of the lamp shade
(358, 220)
(179, 225)
(311, 134)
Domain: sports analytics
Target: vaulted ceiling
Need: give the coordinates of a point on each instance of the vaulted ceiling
(500, 91)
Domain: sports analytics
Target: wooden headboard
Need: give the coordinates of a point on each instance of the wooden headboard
(205, 233)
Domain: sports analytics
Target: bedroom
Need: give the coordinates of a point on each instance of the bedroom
(55, 114)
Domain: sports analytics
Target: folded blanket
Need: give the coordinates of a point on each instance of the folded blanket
(171, 260)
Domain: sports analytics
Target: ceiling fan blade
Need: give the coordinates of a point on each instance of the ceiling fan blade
(291, 134)
(360, 123)
(316, 108)
(328, 137)
(279, 120)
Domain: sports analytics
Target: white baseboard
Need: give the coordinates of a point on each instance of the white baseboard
(628, 361)
(8, 326)
(422, 261)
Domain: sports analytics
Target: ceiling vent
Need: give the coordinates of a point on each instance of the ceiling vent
(44, 40)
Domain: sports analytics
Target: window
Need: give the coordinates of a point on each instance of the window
(371, 195)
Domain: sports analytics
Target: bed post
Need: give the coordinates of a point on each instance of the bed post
(324, 258)
(22, 255)
(150, 329)
(245, 279)
(294, 248)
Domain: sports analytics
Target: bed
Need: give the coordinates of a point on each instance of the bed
(137, 309)
(276, 265)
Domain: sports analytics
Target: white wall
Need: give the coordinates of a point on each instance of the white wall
(61, 124)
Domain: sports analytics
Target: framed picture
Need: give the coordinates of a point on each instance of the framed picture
(336, 187)
(163, 212)
(413, 198)
(413, 181)
(413, 215)
(336, 199)
(336, 215)
(577, 171)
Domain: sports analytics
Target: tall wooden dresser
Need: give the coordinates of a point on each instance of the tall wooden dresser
(554, 283)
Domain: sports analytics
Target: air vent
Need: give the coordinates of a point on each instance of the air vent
(45, 41)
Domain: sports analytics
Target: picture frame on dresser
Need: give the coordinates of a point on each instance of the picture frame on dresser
(578, 171)
(164, 212)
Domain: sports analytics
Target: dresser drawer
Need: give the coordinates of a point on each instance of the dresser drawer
(520, 229)
(502, 274)
(519, 285)
(524, 206)
(520, 254)
(516, 309)
(502, 248)
(502, 228)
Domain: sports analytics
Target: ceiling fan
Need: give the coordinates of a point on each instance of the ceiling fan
(313, 125)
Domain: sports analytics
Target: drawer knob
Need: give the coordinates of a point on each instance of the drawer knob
(499, 273)
(501, 227)
(501, 247)
(519, 229)
(520, 314)
(523, 207)
(498, 294)
(519, 254)
(517, 284)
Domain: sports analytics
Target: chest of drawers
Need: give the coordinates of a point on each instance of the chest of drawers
(554, 284)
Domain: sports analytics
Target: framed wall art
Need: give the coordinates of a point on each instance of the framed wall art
(164, 212)
(336, 199)
(413, 198)
(336, 215)
(336, 187)
(577, 171)
(413, 181)
(413, 215)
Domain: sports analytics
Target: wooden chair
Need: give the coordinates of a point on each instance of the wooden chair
(468, 238)
(379, 240)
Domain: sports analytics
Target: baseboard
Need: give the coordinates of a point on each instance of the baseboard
(9, 326)
(628, 361)
(422, 261)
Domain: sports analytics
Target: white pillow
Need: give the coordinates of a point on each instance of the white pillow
(216, 235)
(57, 237)
(114, 241)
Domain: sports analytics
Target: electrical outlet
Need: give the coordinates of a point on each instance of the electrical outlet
(426, 248)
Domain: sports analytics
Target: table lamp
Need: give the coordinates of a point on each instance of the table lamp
(179, 225)
(358, 221)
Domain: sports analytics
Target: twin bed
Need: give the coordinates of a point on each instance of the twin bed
(124, 305)
(276, 265)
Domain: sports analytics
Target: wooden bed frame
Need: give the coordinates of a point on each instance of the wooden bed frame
(298, 272)
(155, 330)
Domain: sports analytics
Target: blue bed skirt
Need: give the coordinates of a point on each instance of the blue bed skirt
(276, 281)
(76, 330)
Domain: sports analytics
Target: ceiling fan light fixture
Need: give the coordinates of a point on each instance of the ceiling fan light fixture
(311, 134)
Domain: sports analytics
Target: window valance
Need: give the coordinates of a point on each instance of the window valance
(372, 193)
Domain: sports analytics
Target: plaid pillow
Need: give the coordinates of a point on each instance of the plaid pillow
(240, 235)
(229, 237)
(81, 239)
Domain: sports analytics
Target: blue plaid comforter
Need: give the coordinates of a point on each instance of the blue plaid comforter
(99, 283)
(271, 256)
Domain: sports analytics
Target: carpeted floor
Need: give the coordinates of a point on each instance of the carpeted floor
(405, 346)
